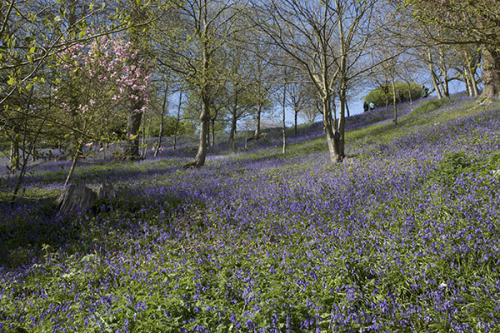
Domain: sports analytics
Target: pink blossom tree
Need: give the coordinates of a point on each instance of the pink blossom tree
(97, 81)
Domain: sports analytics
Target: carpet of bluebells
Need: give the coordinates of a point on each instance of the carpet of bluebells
(404, 236)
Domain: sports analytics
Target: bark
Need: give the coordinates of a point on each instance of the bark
(234, 116)
(491, 72)
(76, 197)
(14, 154)
(284, 118)
(259, 112)
(331, 127)
(177, 121)
(131, 151)
(77, 153)
(435, 81)
(212, 120)
(472, 79)
(296, 114)
(340, 127)
(79, 197)
(394, 101)
(444, 72)
(162, 120)
(201, 155)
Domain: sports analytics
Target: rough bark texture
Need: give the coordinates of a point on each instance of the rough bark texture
(14, 155)
(79, 197)
(131, 151)
(491, 72)
(201, 155)
(258, 116)
(76, 197)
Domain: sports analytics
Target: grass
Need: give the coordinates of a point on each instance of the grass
(403, 236)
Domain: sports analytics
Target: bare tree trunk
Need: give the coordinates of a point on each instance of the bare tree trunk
(435, 81)
(77, 154)
(283, 124)
(491, 72)
(234, 115)
(212, 120)
(131, 151)
(394, 101)
(201, 155)
(14, 154)
(144, 135)
(208, 133)
(296, 114)
(444, 72)
(340, 128)
(468, 84)
(162, 119)
(177, 121)
(331, 127)
(259, 113)
(472, 79)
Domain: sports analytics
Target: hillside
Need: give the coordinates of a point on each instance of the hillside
(402, 236)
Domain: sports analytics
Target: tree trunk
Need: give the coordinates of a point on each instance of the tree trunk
(162, 119)
(178, 120)
(468, 84)
(232, 132)
(340, 128)
(330, 126)
(283, 124)
(444, 72)
(14, 154)
(472, 79)
(491, 72)
(144, 136)
(259, 112)
(77, 154)
(212, 120)
(201, 155)
(296, 114)
(234, 115)
(435, 81)
(394, 101)
(131, 151)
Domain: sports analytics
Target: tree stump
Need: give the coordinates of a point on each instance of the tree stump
(79, 197)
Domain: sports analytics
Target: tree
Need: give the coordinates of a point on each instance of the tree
(138, 15)
(260, 52)
(474, 22)
(326, 39)
(202, 27)
(298, 96)
(105, 75)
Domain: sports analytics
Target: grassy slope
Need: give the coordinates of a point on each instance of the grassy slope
(400, 237)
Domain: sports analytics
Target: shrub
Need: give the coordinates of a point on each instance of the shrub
(383, 96)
